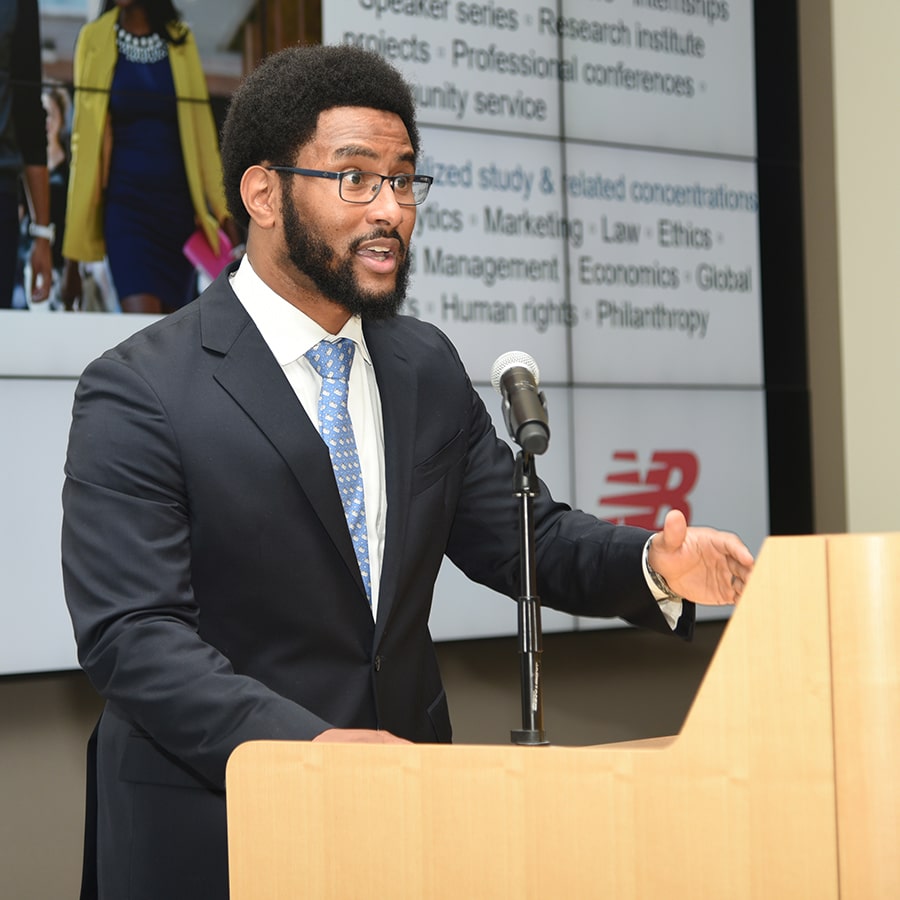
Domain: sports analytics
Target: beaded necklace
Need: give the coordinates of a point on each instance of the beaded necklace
(146, 48)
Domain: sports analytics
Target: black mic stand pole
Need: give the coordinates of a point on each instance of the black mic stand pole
(526, 487)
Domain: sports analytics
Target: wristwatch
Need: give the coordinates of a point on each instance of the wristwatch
(656, 578)
(43, 231)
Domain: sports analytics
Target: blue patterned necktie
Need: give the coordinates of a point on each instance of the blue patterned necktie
(332, 361)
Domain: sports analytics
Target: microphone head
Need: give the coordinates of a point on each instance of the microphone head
(507, 361)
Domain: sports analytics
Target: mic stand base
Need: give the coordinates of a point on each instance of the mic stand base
(529, 738)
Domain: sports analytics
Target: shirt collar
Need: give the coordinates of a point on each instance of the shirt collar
(287, 331)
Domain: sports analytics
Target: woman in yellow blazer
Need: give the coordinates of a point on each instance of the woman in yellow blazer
(146, 170)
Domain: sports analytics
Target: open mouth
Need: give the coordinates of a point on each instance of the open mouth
(377, 253)
(380, 255)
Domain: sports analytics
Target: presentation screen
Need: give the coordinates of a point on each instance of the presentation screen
(596, 204)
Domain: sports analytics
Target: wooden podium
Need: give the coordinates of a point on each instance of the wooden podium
(784, 783)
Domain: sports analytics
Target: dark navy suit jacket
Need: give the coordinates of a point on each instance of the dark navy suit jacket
(214, 590)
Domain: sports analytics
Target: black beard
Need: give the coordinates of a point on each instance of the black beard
(337, 280)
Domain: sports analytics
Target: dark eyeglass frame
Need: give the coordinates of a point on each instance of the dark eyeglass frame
(340, 176)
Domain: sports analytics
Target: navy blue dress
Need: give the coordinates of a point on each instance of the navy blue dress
(148, 214)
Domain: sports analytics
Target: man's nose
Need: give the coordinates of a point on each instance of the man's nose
(385, 208)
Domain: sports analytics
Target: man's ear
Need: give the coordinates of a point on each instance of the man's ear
(259, 191)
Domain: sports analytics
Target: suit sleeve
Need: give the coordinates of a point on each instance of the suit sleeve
(126, 551)
(586, 566)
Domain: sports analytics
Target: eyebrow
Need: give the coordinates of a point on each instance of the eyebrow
(351, 150)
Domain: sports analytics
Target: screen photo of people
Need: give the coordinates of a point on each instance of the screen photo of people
(111, 184)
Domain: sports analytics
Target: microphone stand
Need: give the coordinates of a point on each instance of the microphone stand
(526, 488)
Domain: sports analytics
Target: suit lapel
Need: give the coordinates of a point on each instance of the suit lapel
(253, 378)
(397, 387)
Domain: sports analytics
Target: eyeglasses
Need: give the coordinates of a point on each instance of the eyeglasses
(364, 187)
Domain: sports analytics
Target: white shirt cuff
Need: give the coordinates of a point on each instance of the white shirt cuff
(671, 609)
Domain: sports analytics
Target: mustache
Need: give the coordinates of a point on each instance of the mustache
(375, 235)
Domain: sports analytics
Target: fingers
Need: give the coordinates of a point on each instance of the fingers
(740, 566)
(40, 286)
(358, 736)
(740, 574)
(741, 555)
(39, 293)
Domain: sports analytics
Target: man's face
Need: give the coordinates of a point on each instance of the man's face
(356, 255)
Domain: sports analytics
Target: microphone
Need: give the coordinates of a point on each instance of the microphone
(515, 376)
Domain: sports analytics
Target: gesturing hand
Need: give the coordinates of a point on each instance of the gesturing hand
(704, 565)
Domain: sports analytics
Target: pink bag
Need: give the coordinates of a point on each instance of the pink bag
(198, 250)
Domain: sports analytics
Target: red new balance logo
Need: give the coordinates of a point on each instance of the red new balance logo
(665, 485)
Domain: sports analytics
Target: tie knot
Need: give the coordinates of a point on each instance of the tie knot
(332, 359)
